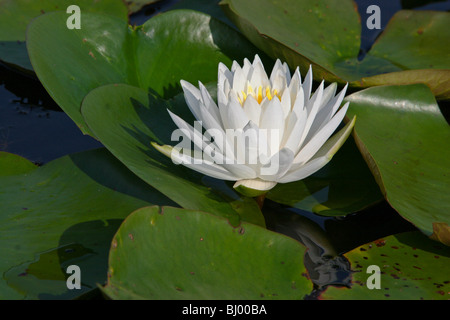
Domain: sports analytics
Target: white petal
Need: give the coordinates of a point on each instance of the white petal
(207, 168)
(234, 116)
(308, 151)
(328, 94)
(305, 170)
(239, 80)
(209, 103)
(325, 114)
(235, 66)
(307, 85)
(272, 119)
(312, 109)
(256, 61)
(278, 165)
(295, 84)
(198, 109)
(252, 109)
(299, 102)
(240, 170)
(196, 137)
(246, 68)
(294, 131)
(188, 87)
(285, 102)
(224, 73)
(322, 157)
(258, 76)
(277, 66)
(287, 73)
(255, 184)
(279, 81)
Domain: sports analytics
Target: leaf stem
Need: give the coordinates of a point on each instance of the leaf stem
(260, 200)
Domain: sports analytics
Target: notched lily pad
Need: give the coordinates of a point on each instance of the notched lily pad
(169, 253)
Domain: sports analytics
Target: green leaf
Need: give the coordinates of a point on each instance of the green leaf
(65, 212)
(15, 15)
(169, 253)
(343, 186)
(127, 119)
(413, 48)
(11, 164)
(179, 44)
(404, 138)
(412, 268)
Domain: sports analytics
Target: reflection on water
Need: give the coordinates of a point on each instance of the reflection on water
(328, 238)
(45, 277)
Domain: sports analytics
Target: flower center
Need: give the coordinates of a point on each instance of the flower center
(259, 95)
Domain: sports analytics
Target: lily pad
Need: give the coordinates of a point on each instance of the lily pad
(63, 213)
(127, 119)
(169, 253)
(15, 15)
(179, 44)
(413, 48)
(345, 185)
(404, 138)
(411, 267)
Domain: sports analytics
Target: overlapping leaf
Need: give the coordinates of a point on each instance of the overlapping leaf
(413, 48)
(15, 15)
(65, 212)
(179, 44)
(404, 137)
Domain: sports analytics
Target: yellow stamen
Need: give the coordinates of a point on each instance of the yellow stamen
(259, 99)
(268, 95)
(244, 95)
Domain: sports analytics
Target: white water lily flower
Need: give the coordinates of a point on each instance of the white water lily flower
(282, 130)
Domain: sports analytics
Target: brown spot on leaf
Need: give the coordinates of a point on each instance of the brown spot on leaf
(131, 236)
